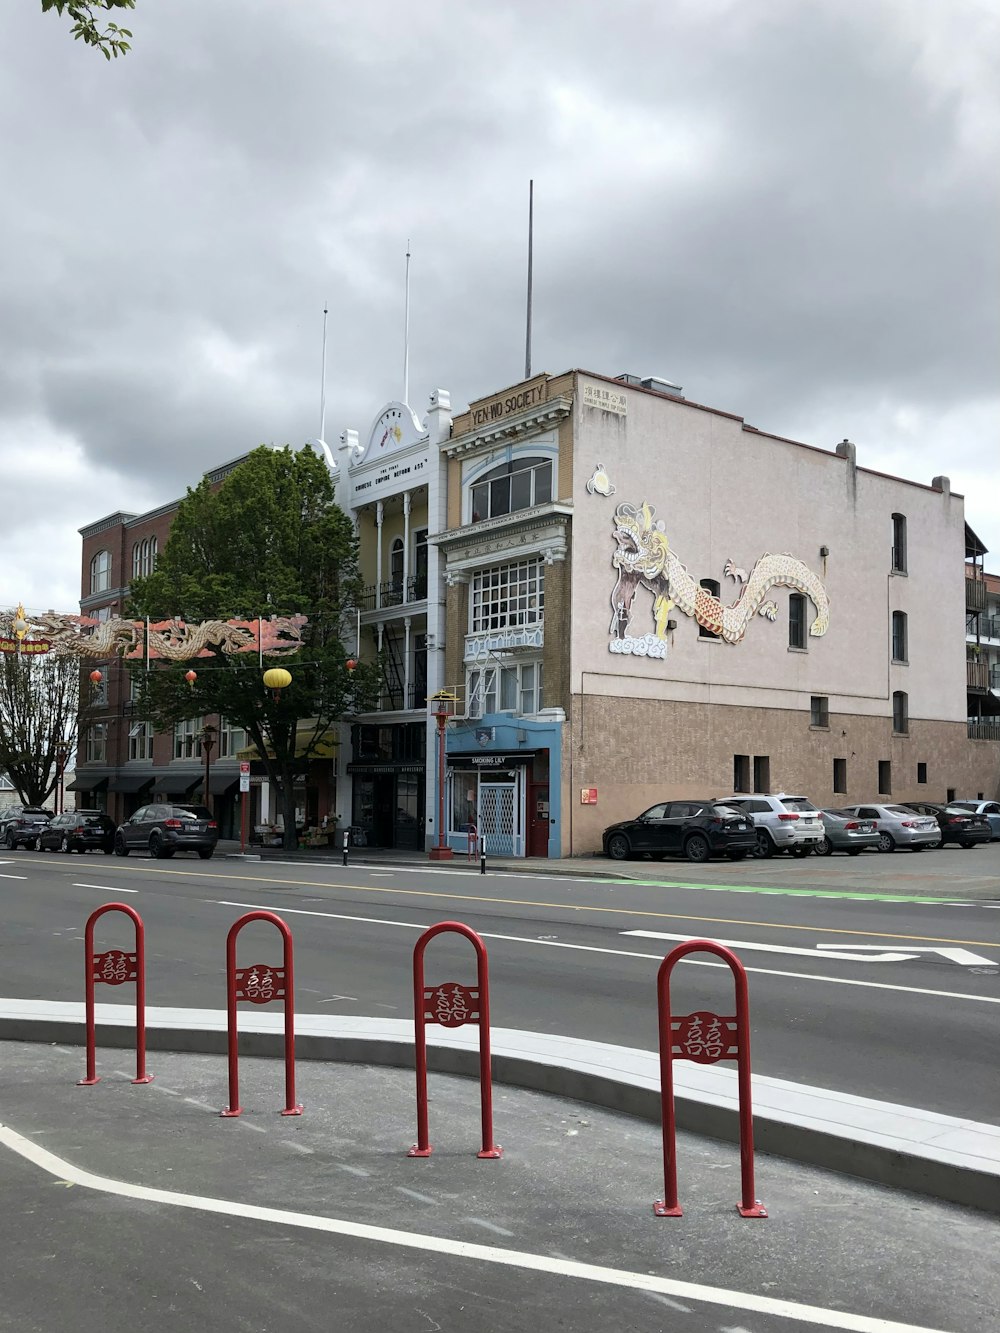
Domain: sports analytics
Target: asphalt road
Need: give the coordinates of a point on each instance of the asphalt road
(892, 1000)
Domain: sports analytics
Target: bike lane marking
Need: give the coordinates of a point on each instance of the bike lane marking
(842, 1321)
(857, 954)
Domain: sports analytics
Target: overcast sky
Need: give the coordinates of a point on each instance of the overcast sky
(790, 207)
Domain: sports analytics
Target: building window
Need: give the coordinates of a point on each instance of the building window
(97, 743)
(140, 741)
(710, 585)
(507, 596)
(921, 773)
(819, 711)
(884, 777)
(100, 572)
(741, 772)
(232, 739)
(396, 566)
(899, 543)
(519, 484)
(509, 689)
(796, 620)
(420, 563)
(899, 636)
(900, 712)
(840, 776)
(762, 772)
(950, 795)
(143, 557)
(187, 739)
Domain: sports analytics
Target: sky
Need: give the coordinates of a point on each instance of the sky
(789, 207)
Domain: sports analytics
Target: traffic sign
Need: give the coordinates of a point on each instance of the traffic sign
(244, 775)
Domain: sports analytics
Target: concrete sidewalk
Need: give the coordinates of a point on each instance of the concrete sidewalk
(942, 1156)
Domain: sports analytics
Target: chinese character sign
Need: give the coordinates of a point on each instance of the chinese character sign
(260, 984)
(451, 1005)
(704, 1038)
(115, 967)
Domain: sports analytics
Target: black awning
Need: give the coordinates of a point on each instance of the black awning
(220, 783)
(130, 782)
(88, 782)
(178, 785)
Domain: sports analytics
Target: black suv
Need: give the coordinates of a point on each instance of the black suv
(165, 829)
(956, 823)
(78, 831)
(21, 824)
(696, 828)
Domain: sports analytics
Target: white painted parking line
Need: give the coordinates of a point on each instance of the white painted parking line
(858, 953)
(13, 876)
(282, 910)
(838, 1320)
(106, 888)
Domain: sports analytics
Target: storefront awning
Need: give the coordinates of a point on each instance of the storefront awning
(130, 782)
(324, 746)
(178, 785)
(88, 782)
(219, 783)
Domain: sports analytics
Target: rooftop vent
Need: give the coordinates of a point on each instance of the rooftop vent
(653, 382)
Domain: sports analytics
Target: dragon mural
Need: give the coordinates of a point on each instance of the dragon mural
(175, 640)
(644, 559)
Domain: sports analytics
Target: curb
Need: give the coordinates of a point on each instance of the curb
(957, 1161)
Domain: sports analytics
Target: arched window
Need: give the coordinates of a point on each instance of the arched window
(136, 559)
(519, 484)
(396, 565)
(152, 555)
(900, 712)
(899, 644)
(100, 572)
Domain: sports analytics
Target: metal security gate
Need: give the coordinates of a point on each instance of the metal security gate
(499, 830)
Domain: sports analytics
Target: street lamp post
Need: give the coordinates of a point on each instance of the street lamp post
(208, 733)
(62, 754)
(441, 852)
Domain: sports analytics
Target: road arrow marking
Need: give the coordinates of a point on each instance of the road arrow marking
(829, 951)
(962, 956)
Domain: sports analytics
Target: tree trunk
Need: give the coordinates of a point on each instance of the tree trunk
(291, 837)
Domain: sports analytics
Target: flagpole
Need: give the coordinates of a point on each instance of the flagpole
(322, 391)
(531, 228)
(406, 329)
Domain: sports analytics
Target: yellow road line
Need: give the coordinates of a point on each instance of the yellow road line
(557, 907)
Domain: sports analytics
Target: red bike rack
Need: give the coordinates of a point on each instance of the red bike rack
(260, 984)
(114, 968)
(706, 1039)
(452, 1005)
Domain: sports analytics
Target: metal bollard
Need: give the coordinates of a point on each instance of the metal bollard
(482, 861)
(347, 839)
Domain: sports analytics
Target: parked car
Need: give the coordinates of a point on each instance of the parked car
(783, 822)
(991, 809)
(20, 825)
(78, 831)
(699, 829)
(844, 832)
(956, 824)
(899, 826)
(164, 829)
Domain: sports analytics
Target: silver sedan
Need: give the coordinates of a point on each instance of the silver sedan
(899, 826)
(845, 832)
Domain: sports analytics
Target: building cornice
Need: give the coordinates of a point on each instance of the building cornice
(543, 530)
(118, 520)
(510, 429)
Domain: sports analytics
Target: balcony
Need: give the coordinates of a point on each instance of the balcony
(394, 592)
(984, 728)
(995, 677)
(395, 698)
(975, 594)
(977, 676)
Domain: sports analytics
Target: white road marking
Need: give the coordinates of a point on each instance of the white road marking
(107, 888)
(489, 1226)
(961, 956)
(655, 957)
(414, 1194)
(835, 951)
(456, 1249)
(13, 876)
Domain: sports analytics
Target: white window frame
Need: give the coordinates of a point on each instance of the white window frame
(97, 743)
(502, 687)
(100, 572)
(508, 596)
(232, 739)
(187, 738)
(140, 740)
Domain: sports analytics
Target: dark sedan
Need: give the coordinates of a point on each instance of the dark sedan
(79, 831)
(20, 826)
(696, 829)
(164, 829)
(956, 824)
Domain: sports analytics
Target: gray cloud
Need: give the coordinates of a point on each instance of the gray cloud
(789, 209)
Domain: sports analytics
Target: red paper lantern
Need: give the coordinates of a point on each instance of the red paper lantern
(191, 677)
(96, 677)
(351, 663)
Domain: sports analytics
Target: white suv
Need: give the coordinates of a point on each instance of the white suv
(783, 822)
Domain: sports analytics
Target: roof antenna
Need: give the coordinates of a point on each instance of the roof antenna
(531, 228)
(406, 330)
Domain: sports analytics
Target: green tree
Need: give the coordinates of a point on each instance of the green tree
(86, 25)
(270, 540)
(38, 719)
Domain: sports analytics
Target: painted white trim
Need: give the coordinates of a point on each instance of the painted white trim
(411, 1240)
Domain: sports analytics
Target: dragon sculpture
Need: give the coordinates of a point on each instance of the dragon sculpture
(175, 640)
(644, 559)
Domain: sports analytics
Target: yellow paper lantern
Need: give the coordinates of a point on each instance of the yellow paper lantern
(277, 678)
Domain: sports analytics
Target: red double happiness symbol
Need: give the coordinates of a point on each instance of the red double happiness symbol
(451, 1005)
(115, 967)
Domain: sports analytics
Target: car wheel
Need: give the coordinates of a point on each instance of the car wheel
(121, 847)
(696, 848)
(799, 852)
(825, 848)
(64, 844)
(765, 847)
(205, 853)
(737, 855)
(618, 848)
(10, 843)
(886, 842)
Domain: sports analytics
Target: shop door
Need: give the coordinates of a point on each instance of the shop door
(498, 830)
(538, 819)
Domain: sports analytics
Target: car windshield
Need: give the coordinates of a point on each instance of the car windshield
(796, 803)
(839, 814)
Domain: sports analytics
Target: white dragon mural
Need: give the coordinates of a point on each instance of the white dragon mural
(644, 559)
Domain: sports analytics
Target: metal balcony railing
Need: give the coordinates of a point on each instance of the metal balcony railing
(394, 592)
(984, 729)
